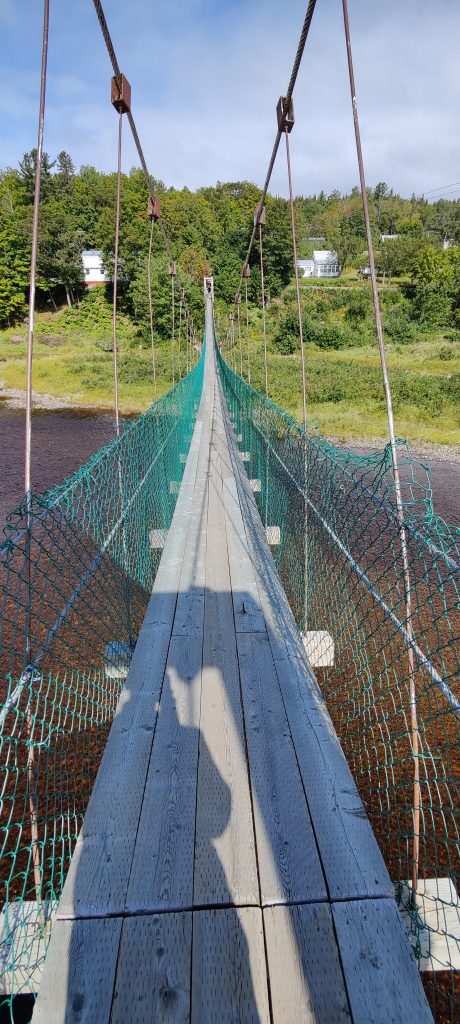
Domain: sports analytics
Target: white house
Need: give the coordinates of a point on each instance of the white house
(92, 268)
(323, 264)
(388, 238)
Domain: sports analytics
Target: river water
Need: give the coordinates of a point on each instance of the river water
(63, 440)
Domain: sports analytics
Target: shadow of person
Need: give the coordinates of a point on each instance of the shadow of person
(163, 953)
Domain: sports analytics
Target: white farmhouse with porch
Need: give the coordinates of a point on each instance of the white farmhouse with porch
(92, 268)
(324, 264)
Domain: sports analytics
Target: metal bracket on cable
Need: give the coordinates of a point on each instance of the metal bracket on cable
(246, 271)
(172, 268)
(153, 208)
(285, 114)
(259, 216)
(121, 94)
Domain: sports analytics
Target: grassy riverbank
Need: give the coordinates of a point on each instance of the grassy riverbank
(73, 363)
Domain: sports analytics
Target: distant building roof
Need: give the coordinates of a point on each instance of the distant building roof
(324, 256)
(387, 238)
(305, 263)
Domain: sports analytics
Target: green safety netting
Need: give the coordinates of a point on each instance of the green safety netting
(338, 552)
(76, 572)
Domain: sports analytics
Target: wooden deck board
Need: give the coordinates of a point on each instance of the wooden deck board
(380, 972)
(162, 866)
(306, 980)
(79, 973)
(153, 978)
(225, 861)
(289, 865)
(229, 981)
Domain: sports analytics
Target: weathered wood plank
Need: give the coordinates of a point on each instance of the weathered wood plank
(79, 973)
(246, 603)
(288, 860)
(225, 863)
(188, 620)
(380, 970)
(352, 862)
(153, 977)
(306, 981)
(162, 866)
(229, 981)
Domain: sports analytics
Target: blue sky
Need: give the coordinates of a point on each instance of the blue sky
(206, 75)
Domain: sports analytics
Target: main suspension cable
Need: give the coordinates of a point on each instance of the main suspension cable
(117, 72)
(288, 98)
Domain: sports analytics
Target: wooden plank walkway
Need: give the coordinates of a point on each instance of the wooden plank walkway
(225, 870)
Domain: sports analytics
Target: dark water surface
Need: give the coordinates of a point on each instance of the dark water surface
(63, 440)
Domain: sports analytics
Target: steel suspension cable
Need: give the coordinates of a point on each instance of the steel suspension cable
(172, 327)
(149, 282)
(415, 736)
(115, 274)
(247, 329)
(180, 333)
(296, 275)
(289, 93)
(117, 72)
(264, 319)
(31, 781)
(239, 335)
(304, 389)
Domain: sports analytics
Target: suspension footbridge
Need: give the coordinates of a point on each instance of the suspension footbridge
(225, 861)
(230, 705)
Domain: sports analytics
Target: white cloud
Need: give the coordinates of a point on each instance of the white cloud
(206, 77)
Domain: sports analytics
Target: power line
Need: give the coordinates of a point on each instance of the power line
(442, 188)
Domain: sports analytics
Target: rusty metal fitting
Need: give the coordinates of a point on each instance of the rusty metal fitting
(237, 298)
(259, 215)
(182, 295)
(172, 268)
(153, 208)
(121, 94)
(246, 271)
(285, 115)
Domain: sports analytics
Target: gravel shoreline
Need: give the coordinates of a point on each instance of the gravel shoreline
(14, 398)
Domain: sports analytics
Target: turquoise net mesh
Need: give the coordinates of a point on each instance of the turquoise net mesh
(331, 518)
(76, 572)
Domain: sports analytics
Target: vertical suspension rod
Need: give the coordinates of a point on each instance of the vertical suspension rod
(302, 357)
(297, 287)
(247, 331)
(115, 274)
(415, 737)
(32, 796)
(264, 321)
(33, 261)
(239, 336)
(152, 336)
